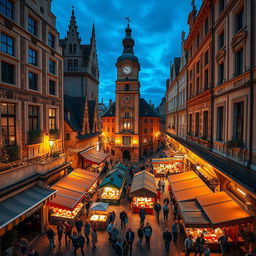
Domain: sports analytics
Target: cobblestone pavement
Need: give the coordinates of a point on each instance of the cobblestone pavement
(104, 247)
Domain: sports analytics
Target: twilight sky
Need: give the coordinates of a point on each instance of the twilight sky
(156, 28)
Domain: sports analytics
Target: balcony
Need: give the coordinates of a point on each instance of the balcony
(9, 154)
(34, 137)
(127, 131)
(54, 134)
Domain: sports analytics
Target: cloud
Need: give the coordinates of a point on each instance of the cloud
(156, 28)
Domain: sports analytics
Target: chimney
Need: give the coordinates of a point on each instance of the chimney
(110, 103)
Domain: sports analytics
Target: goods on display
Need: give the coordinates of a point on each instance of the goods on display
(143, 202)
(100, 218)
(66, 214)
(110, 193)
(162, 169)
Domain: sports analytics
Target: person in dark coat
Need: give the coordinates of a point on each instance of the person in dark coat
(167, 236)
(199, 245)
(50, 235)
(67, 232)
(130, 238)
(157, 208)
(175, 231)
(140, 235)
(87, 231)
(123, 218)
(79, 225)
(74, 238)
(223, 241)
(166, 201)
(165, 212)
(142, 214)
(148, 232)
(87, 207)
(80, 244)
(60, 232)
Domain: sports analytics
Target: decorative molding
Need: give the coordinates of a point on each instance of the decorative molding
(220, 56)
(238, 40)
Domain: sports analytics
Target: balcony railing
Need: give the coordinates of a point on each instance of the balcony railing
(9, 154)
(34, 137)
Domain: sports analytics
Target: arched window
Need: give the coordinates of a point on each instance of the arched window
(74, 48)
(127, 87)
(70, 48)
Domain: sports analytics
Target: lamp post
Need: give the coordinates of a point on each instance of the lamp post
(51, 143)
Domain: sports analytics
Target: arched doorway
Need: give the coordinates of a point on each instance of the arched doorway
(126, 155)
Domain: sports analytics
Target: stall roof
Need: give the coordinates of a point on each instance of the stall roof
(192, 193)
(222, 212)
(94, 156)
(167, 160)
(114, 179)
(143, 185)
(64, 202)
(187, 184)
(182, 176)
(17, 205)
(120, 166)
(99, 207)
(86, 174)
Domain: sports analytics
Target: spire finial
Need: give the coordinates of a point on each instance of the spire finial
(193, 4)
(73, 10)
(128, 21)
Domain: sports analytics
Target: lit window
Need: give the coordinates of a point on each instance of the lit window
(52, 119)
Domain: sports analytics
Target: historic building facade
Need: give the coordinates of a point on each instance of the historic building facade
(130, 126)
(81, 82)
(31, 110)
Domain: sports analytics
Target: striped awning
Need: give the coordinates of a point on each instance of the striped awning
(94, 156)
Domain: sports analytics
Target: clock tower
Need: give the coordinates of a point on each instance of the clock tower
(127, 101)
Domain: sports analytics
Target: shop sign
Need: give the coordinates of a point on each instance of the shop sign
(29, 213)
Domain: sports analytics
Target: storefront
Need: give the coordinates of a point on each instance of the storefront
(24, 213)
(93, 160)
(170, 165)
(112, 186)
(99, 215)
(71, 191)
(143, 192)
(212, 215)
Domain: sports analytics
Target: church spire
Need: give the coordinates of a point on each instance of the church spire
(72, 28)
(93, 36)
(128, 42)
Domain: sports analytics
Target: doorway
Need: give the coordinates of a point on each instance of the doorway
(126, 155)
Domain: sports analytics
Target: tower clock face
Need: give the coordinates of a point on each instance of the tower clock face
(127, 70)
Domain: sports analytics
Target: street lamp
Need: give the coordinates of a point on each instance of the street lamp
(51, 143)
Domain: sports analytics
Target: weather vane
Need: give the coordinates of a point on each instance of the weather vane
(128, 20)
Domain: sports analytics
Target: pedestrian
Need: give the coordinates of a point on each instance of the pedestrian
(112, 216)
(157, 208)
(199, 245)
(223, 241)
(159, 184)
(59, 232)
(166, 200)
(175, 231)
(67, 232)
(188, 245)
(148, 232)
(74, 239)
(167, 236)
(114, 236)
(125, 248)
(87, 231)
(79, 225)
(123, 218)
(208, 253)
(109, 229)
(50, 235)
(165, 212)
(140, 236)
(33, 252)
(94, 238)
(23, 245)
(118, 246)
(175, 210)
(80, 244)
(142, 214)
(87, 207)
(162, 184)
(129, 239)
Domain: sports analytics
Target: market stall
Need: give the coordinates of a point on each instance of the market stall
(112, 186)
(143, 191)
(99, 215)
(94, 159)
(171, 165)
(71, 191)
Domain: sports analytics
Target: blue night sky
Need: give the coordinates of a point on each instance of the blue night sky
(156, 28)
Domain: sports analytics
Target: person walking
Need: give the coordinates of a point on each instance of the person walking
(165, 212)
(87, 231)
(67, 232)
(175, 231)
(23, 245)
(119, 247)
(130, 238)
(140, 236)
(80, 244)
(142, 214)
(175, 210)
(50, 235)
(59, 232)
(79, 225)
(94, 238)
(157, 208)
(109, 229)
(125, 248)
(207, 251)
(188, 245)
(162, 184)
(114, 236)
(223, 241)
(123, 218)
(87, 207)
(166, 200)
(74, 239)
(199, 245)
(167, 236)
(148, 232)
